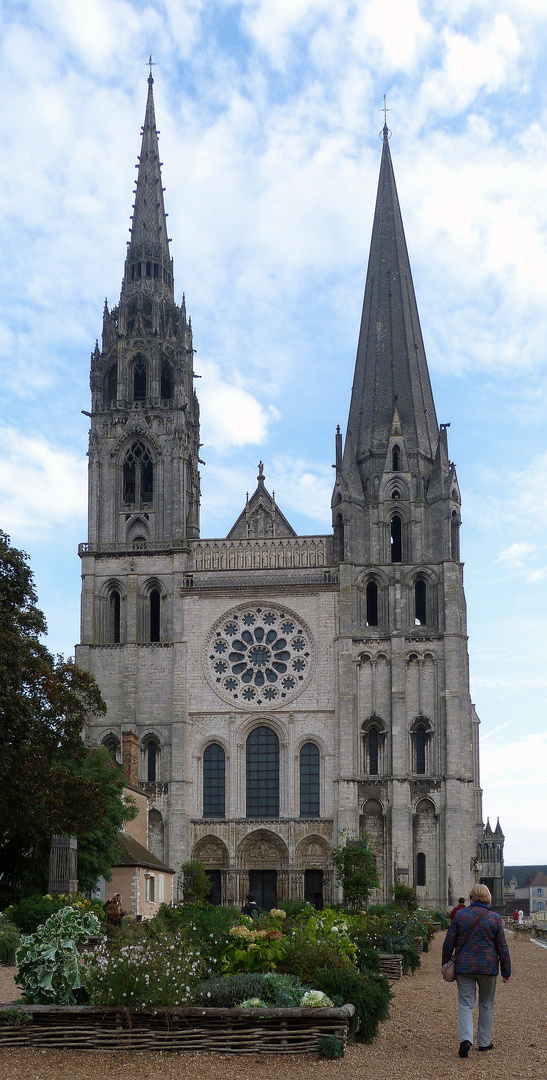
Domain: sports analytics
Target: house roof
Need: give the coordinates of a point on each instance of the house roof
(540, 878)
(524, 875)
(134, 854)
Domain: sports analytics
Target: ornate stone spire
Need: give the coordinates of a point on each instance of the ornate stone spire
(391, 366)
(148, 260)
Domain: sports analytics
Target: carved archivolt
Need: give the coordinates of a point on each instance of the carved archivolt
(313, 853)
(262, 850)
(211, 852)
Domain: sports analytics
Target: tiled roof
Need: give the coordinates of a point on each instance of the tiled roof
(524, 874)
(134, 854)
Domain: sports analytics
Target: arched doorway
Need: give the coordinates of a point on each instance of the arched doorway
(263, 859)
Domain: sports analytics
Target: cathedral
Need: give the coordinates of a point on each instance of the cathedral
(279, 694)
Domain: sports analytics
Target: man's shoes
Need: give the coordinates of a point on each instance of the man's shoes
(490, 1047)
(465, 1047)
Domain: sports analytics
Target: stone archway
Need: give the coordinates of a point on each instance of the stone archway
(315, 878)
(262, 860)
(213, 853)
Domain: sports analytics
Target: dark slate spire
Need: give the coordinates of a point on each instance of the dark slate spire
(148, 255)
(391, 367)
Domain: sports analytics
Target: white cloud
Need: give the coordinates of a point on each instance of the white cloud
(41, 486)
(230, 415)
(520, 806)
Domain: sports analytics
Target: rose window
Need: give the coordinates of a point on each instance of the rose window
(259, 656)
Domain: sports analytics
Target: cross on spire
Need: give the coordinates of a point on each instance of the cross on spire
(151, 63)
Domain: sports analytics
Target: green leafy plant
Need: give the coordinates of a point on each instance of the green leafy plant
(330, 1046)
(253, 950)
(48, 960)
(355, 869)
(195, 883)
(16, 1018)
(370, 994)
(405, 897)
(283, 991)
(254, 1003)
(10, 939)
(230, 991)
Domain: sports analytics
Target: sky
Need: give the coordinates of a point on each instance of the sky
(269, 113)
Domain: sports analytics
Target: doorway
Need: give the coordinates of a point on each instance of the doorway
(263, 886)
(215, 896)
(313, 888)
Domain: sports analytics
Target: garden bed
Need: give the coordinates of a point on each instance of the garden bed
(241, 1031)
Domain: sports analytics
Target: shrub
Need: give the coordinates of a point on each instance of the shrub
(10, 939)
(194, 880)
(230, 991)
(48, 962)
(370, 994)
(304, 958)
(35, 910)
(283, 991)
(253, 950)
(441, 917)
(159, 971)
(367, 956)
(330, 1046)
(405, 897)
(293, 908)
(201, 923)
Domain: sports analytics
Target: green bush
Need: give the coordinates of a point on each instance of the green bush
(230, 991)
(32, 912)
(283, 991)
(10, 939)
(48, 960)
(369, 994)
(293, 908)
(367, 956)
(204, 923)
(441, 917)
(304, 958)
(330, 1046)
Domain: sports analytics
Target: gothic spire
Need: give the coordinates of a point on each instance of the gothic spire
(391, 367)
(148, 249)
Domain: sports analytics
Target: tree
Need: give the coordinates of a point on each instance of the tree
(195, 882)
(48, 783)
(355, 869)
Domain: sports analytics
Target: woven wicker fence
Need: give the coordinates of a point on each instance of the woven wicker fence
(241, 1031)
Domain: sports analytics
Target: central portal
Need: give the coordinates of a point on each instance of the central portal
(263, 886)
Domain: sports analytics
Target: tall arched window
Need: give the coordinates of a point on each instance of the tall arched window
(372, 603)
(111, 384)
(214, 781)
(420, 868)
(396, 459)
(339, 539)
(112, 744)
(151, 759)
(139, 381)
(420, 602)
(373, 747)
(420, 743)
(166, 380)
(455, 536)
(309, 780)
(396, 538)
(138, 476)
(154, 602)
(114, 617)
(262, 773)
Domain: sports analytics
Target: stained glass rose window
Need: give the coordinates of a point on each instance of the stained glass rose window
(259, 656)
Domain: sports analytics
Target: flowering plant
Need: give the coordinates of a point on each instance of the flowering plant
(252, 950)
(315, 999)
(158, 972)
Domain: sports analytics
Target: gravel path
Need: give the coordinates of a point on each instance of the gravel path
(419, 1041)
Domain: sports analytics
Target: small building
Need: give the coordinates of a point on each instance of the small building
(144, 881)
(525, 889)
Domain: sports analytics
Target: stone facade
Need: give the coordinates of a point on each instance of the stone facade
(286, 691)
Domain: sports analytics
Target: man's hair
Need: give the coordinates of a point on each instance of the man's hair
(481, 893)
(461, 899)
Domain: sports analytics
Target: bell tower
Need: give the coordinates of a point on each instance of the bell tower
(144, 439)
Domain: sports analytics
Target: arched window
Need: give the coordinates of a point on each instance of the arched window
(151, 759)
(154, 601)
(111, 384)
(166, 380)
(420, 868)
(373, 747)
(112, 744)
(309, 780)
(372, 603)
(396, 538)
(262, 773)
(214, 781)
(420, 744)
(139, 381)
(395, 459)
(420, 602)
(455, 536)
(138, 476)
(114, 617)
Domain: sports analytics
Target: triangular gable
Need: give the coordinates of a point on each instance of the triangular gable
(261, 518)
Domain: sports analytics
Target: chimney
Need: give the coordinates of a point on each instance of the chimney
(130, 757)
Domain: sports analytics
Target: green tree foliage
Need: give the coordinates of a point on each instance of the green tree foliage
(49, 782)
(195, 882)
(355, 869)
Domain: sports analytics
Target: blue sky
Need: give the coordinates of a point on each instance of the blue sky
(269, 112)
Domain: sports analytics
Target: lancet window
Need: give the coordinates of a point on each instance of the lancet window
(138, 476)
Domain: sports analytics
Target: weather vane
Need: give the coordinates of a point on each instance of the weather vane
(152, 64)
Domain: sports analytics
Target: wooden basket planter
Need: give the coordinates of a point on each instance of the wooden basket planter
(391, 965)
(241, 1031)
